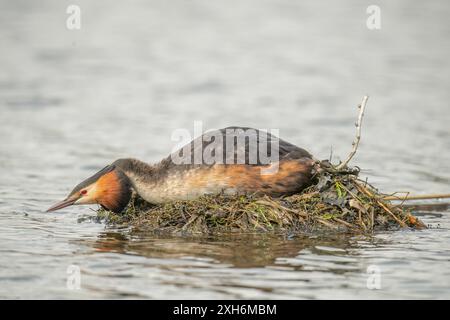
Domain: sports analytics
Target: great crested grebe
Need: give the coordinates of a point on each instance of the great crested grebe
(171, 180)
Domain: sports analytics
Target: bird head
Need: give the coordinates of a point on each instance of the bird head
(109, 187)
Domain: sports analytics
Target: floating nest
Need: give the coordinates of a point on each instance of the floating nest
(337, 201)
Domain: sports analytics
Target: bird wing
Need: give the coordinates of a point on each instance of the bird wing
(236, 145)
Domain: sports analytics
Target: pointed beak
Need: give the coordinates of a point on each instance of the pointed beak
(62, 204)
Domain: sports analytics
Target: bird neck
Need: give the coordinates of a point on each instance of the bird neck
(138, 172)
(143, 176)
(135, 168)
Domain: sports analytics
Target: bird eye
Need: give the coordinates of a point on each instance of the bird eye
(83, 192)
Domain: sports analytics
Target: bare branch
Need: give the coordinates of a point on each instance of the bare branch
(418, 197)
(361, 107)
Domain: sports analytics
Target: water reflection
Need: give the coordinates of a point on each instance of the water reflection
(235, 250)
(227, 266)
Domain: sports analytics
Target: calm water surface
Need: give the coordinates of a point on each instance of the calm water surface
(73, 101)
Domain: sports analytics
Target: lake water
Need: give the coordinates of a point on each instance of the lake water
(72, 101)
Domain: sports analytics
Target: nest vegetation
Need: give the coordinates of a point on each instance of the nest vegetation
(337, 201)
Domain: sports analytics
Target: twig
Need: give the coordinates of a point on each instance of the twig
(326, 223)
(355, 144)
(372, 218)
(380, 203)
(418, 197)
(345, 223)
